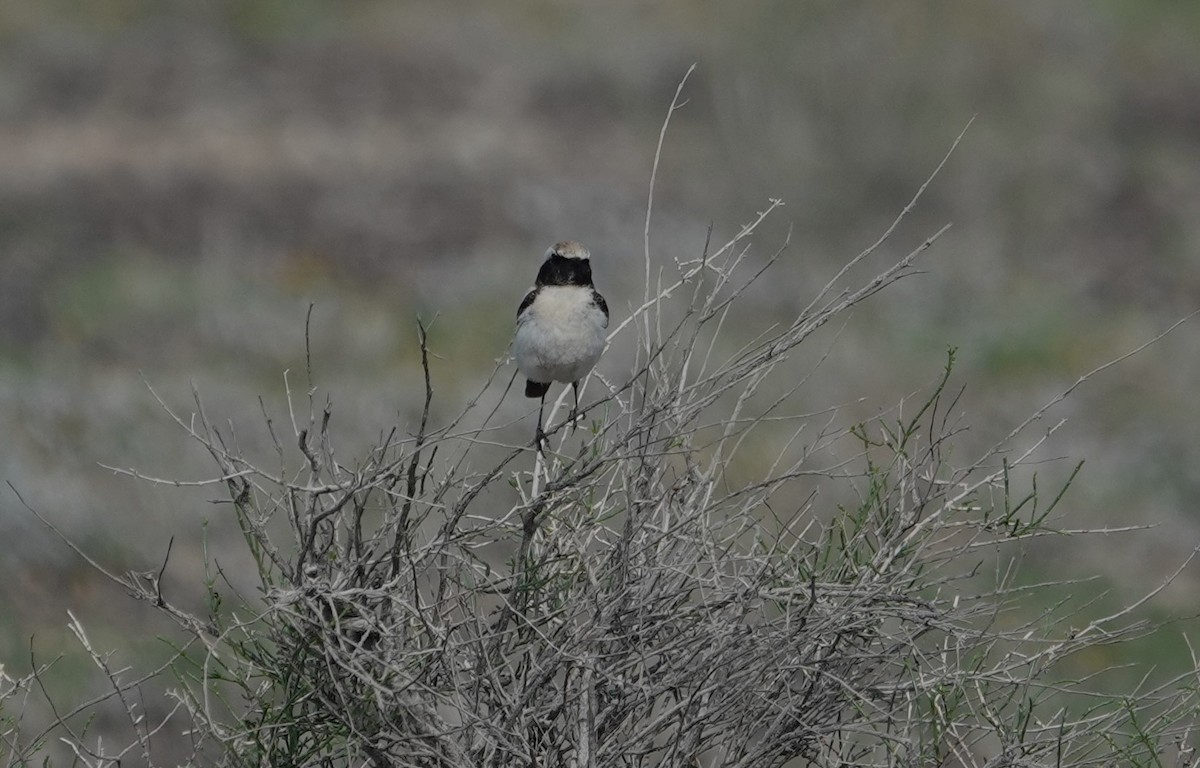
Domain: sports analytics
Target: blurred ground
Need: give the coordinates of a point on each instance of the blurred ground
(179, 180)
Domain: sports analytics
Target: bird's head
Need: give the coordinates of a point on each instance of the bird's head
(567, 263)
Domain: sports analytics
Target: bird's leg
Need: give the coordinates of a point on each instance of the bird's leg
(539, 437)
(575, 410)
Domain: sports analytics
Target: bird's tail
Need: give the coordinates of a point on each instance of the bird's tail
(536, 389)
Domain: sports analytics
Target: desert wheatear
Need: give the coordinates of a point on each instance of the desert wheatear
(560, 325)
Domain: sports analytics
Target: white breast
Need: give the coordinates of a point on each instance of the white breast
(560, 335)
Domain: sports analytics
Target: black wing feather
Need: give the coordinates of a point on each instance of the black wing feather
(525, 302)
(599, 301)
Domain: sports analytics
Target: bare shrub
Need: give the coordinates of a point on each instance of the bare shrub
(625, 601)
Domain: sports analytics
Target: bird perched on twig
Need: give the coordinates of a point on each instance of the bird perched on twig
(560, 326)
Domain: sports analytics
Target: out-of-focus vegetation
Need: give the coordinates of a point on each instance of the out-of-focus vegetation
(178, 181)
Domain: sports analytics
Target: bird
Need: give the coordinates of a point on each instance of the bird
(561, 326)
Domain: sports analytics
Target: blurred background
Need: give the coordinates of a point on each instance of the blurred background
(180, 180)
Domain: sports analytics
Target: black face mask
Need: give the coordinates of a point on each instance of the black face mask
(560, 270)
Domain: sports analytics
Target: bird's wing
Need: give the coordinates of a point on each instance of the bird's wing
(599, 301)
(525, 302)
